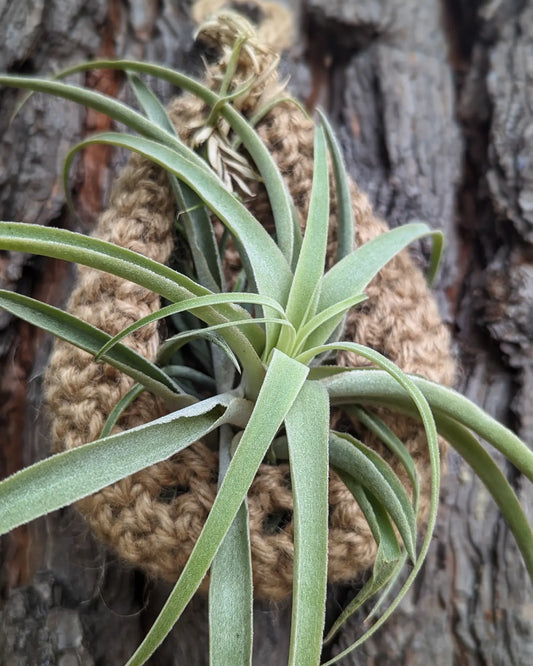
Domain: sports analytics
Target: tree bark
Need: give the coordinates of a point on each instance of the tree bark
(433, 105)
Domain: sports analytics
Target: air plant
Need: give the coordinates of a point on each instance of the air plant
(274, 381)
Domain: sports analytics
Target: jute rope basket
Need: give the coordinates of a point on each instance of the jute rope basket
(153, 518)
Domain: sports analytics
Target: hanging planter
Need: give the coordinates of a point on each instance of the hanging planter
(154, 518)
(281, 427)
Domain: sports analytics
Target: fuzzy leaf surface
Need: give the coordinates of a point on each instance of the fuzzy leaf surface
(376, 387)
(68, 476)
(230, 586)
(352, 274)
(307, 427)
(278, 194)
(282, 384)
(271, 272)
(91, 339)
(132, 266)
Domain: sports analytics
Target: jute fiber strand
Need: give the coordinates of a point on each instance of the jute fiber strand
(153, 518)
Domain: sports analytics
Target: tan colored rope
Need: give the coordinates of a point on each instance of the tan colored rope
(153, 518)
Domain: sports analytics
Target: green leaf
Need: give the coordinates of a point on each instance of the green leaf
(388, 586)
(265, 109)
(274, 183)
(345, 216)
(117, 411)
(193, 215)
(271, 272)
(199, 352)
(89, 98)
(376, 387)
(91, 339)
(312, 257)
(278, 194)
(282, 383)
(200, 236)
(353, 273)
(230, 587)
(176, 342)
(150, 103)
(389, 558)
(189, 375)
(298, 238)
(353, 458)
(393, 443)
(67, 477)
(335, 312)
(104, 256)
(230, 597)
(435, 258)
(501, 491)
(307, 427)
(132, 266)
(108, 106)
(410, 507)
(327, 371)
(411, 393)
(394, 604)
(170, 346)
(406, 386)
(191, 304)
(231, 68)
(276, 188)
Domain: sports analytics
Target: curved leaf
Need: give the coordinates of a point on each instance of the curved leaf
(353, 273)
(389, 559)
(187, 374)
(345, 216)
(91, 339)
(452, 412)
(191, 304)
(137, 268)
(352, 458)
(276, 188)
(117, 411)
(334, 313)
(170, 346)
(270, 270)
(281, 386)
(193, 215)
(392, 442)
(501, 491)
(278, 194)
(376, 387)
(67, 477)
(412, 394)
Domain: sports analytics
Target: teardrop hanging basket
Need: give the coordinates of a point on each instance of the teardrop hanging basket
(153, 518)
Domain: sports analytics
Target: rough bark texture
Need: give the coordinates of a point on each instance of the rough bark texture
(432, 101)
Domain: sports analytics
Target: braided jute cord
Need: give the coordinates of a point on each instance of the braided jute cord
(153, 518)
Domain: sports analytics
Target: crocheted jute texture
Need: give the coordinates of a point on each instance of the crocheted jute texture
(153, 518)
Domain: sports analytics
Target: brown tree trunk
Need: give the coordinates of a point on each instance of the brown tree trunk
(433, 103)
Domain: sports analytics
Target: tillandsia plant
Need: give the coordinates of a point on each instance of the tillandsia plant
(250, 367)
